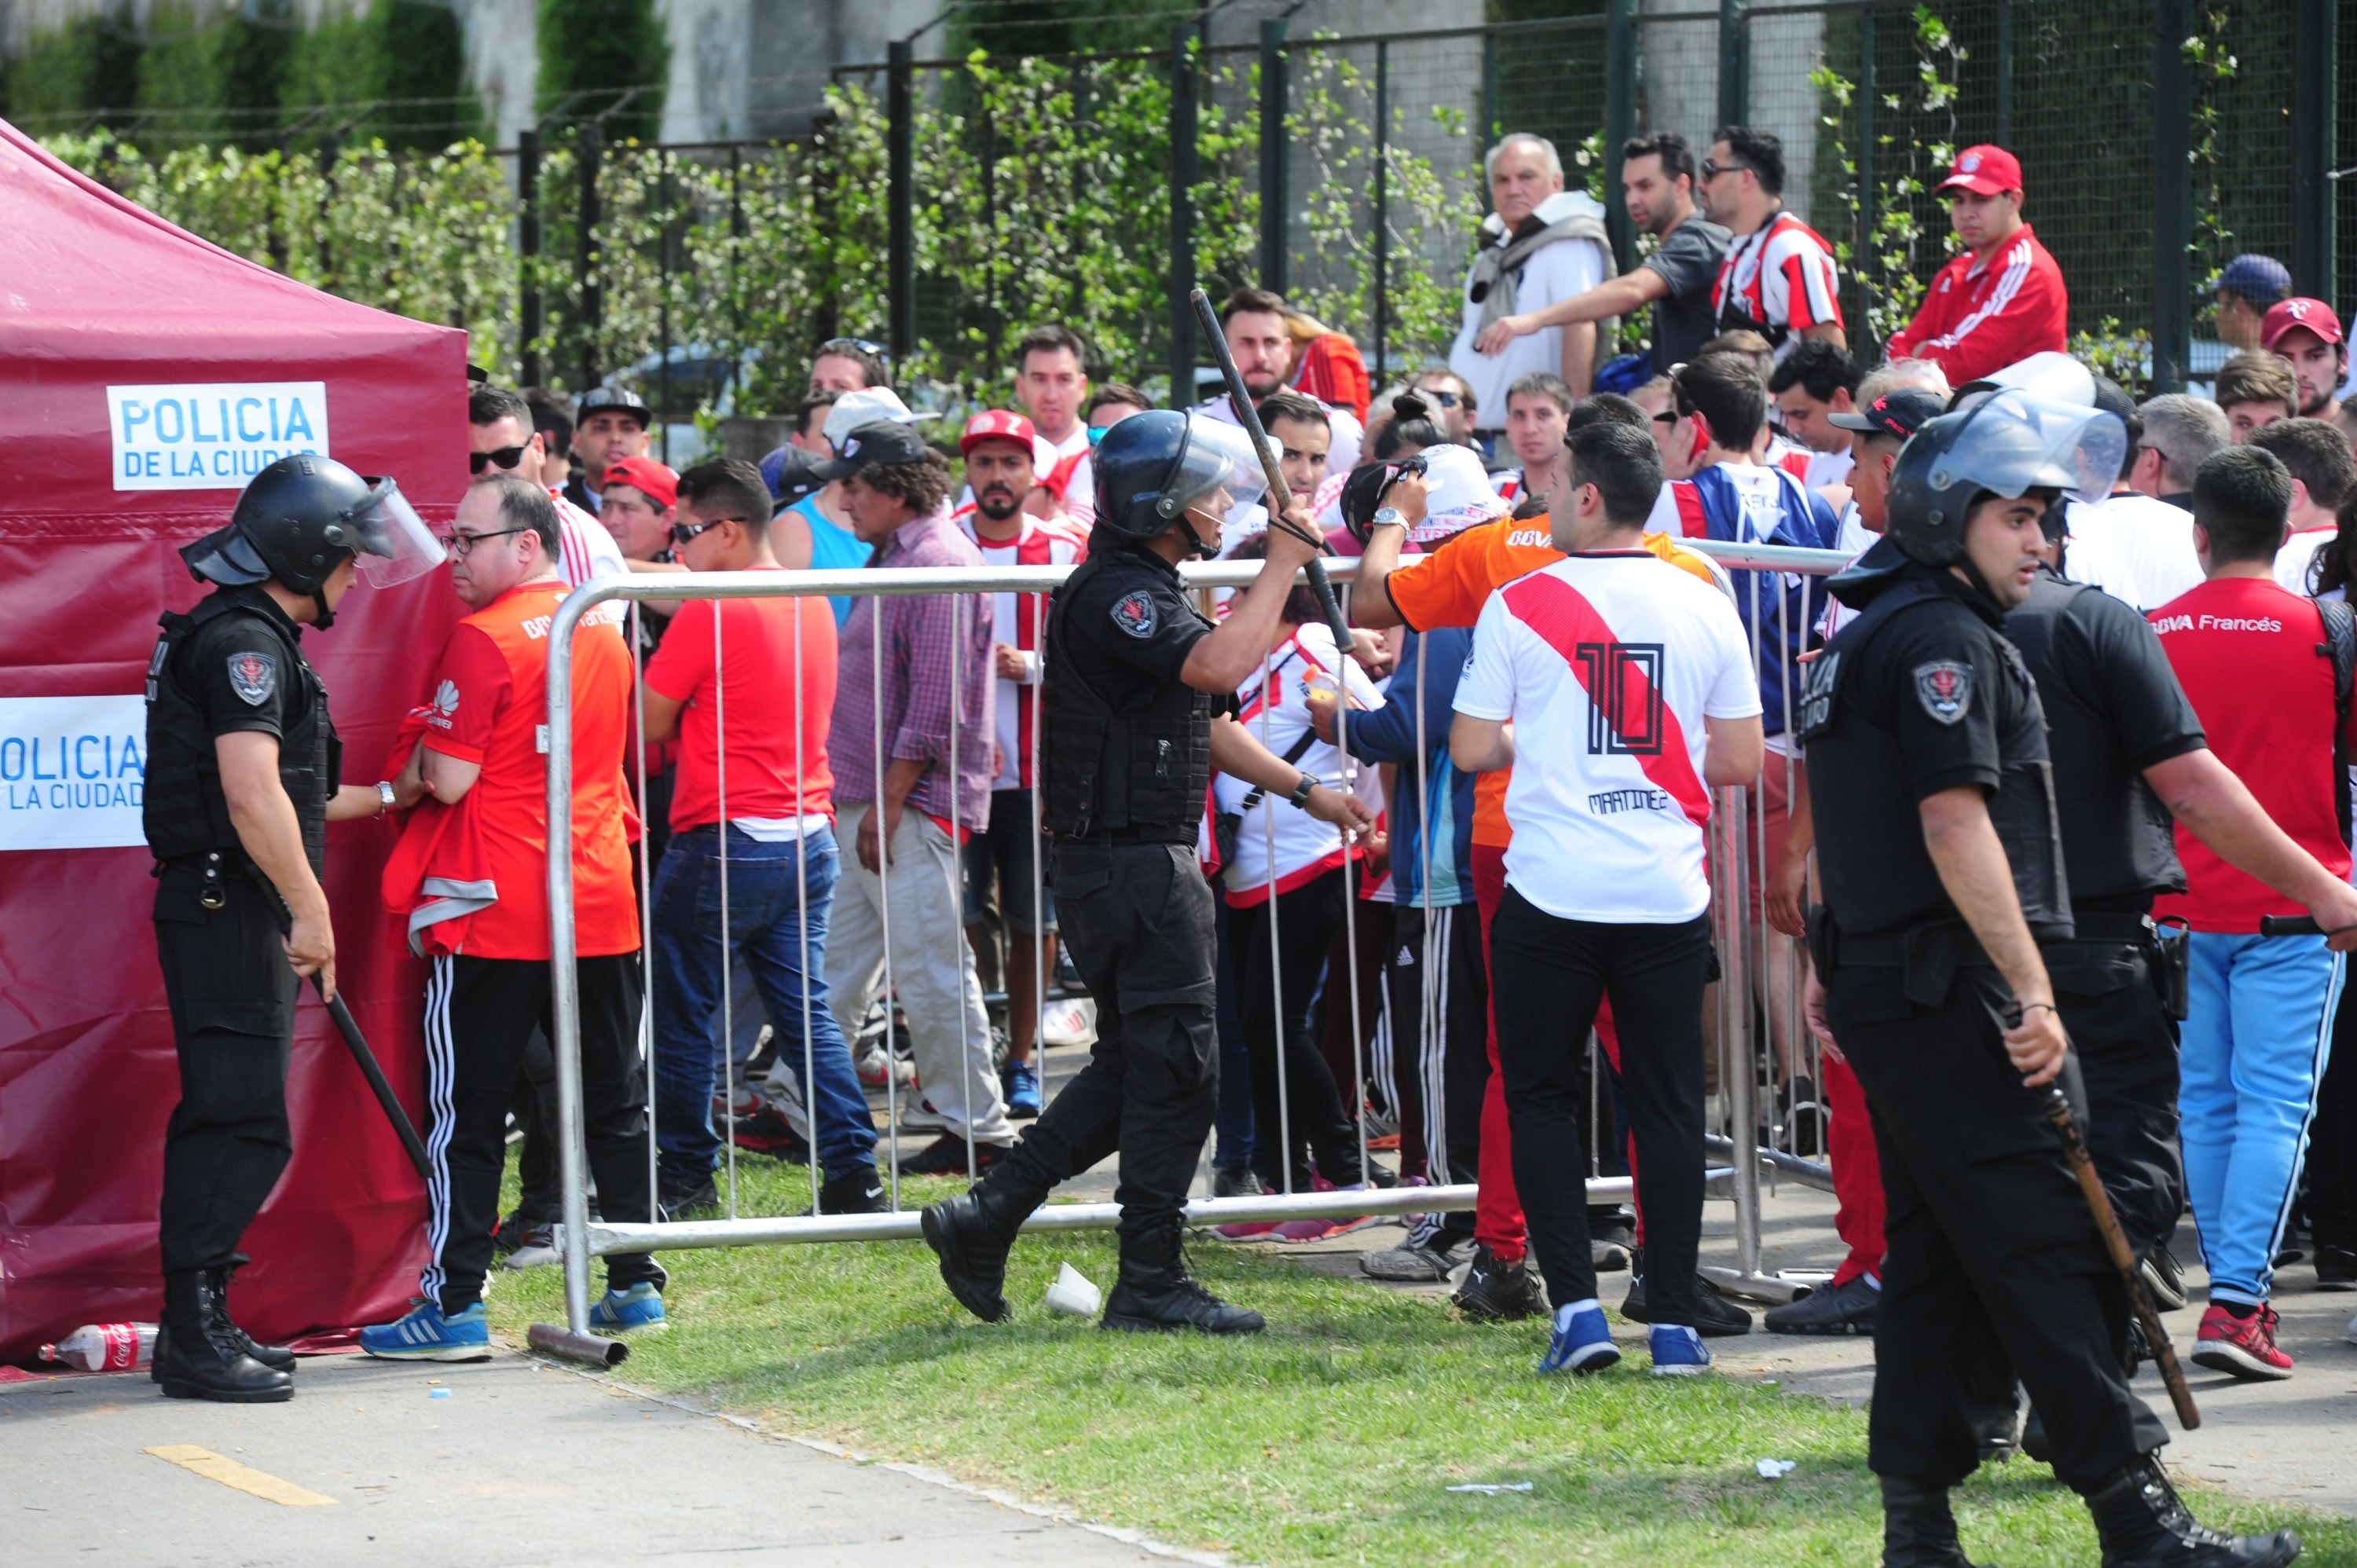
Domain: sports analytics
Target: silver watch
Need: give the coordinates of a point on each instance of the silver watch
(386, 797)
(1388, 514)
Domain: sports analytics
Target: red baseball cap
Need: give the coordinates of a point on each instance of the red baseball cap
(2285, 314)
(1984, 170)
(651, 479)
(997, 423)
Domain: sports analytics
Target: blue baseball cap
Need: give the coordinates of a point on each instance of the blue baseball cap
(2262, 280)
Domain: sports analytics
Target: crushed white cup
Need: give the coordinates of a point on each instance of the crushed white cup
(1072, 1294)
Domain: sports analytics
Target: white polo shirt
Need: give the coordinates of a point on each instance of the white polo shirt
(1609, 663)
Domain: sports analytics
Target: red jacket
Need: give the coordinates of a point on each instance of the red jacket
(1974, 319)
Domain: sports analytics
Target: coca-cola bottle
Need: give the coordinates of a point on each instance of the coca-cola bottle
(104, 1346)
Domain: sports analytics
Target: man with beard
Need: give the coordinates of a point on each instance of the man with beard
(1001, 465)
(2307, 333)
(1253, 321)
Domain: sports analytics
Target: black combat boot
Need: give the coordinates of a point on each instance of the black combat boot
(2143, 1524)
(1156, 1293)
(1917, 1530)
(971, 1234)
(201, 1354)
(277, 1357)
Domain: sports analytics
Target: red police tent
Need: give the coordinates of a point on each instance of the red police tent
(143, 375)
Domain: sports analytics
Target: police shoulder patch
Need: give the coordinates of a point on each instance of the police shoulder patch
(1945, 687)
(1137, 613)
(254, 677)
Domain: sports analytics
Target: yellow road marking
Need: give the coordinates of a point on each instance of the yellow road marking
(239, 1477)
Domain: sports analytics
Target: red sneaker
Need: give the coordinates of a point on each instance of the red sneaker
(2243, 1346)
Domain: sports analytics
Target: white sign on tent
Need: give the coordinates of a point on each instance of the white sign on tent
(73, 772)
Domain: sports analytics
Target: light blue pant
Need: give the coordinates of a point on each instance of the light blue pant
(2255, 1038)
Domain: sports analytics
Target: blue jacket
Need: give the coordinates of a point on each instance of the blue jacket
(1388, 734)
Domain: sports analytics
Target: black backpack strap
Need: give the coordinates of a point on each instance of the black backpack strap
(2341, 647)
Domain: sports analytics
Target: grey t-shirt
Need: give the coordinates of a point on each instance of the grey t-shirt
(1688, 259)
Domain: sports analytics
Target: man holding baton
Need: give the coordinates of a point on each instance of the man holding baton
(242, 762)
(1134, 695)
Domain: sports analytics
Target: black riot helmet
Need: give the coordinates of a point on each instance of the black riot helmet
(1152, 467)
(304, 516)
(2010, 445)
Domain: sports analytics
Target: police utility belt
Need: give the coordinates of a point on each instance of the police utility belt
(1931, 954)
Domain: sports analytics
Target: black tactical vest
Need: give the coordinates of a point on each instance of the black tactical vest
(1143, 772)
(1879, 876)
(184, 812)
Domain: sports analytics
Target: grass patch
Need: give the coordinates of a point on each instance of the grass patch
(1328, 1439)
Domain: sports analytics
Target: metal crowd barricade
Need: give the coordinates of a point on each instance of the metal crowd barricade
(581, 1239)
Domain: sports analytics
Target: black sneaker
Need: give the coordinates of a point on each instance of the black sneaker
(1715, 1315)
(2336, 1268)
(1612, 1245)
(1235, 1181)
(857, 1191)
(1499, 1292)
(766, 1132)
(945, 1156)
(2164, 1280)
(1835, 1309)
(700, 1202)
(1163, 1301)
(513, 1232)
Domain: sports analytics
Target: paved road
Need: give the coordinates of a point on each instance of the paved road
(524, 1464)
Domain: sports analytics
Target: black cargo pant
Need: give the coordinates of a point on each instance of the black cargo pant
(2126, 1048)
(1995, 1263)
(231, 995)
(1136, 920)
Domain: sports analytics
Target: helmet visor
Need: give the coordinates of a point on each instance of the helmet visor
(2017, 442)
(1217, 470)
(392, 543)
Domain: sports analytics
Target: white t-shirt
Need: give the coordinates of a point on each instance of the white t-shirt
(1080, 502)
(1341, 457)
(1305, 848)
(2135, 547)
(1855, 540)
(2298, 554)
(1610, 808)
(1552, 273)
(1813, 468)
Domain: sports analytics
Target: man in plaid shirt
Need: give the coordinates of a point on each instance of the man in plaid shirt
(911, 746)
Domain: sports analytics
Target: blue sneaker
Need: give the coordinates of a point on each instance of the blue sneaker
(426, 1336)
(1678, 1351)
(1582, 1342)
(1021, 1081)
(640, 1307)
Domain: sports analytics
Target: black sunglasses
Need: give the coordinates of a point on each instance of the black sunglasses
(1445, 398)
(1712, 171)
(681, 532)
(505, 457)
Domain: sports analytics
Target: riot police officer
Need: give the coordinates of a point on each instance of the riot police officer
(1927, 742)
(243, 764)
(1134, 687)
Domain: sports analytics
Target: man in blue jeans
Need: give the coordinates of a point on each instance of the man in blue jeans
(748, 688)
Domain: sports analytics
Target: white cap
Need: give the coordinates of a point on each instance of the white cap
(866, 407)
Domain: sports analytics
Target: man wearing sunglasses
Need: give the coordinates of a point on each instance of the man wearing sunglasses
(501, 440)
(1779, 279)
(850, 365)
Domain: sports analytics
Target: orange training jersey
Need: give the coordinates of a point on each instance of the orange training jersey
(490, 706)
(1448, 586)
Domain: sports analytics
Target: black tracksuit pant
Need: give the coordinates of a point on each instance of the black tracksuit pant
(1277, 998)
(479, 1016)
(1136, 920)
(1440, 1060)
(1994, 1267)
(1547, 976)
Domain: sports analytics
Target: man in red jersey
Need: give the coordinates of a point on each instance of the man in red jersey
(2002, 299)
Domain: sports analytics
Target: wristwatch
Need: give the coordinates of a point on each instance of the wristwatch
(1300, 796)
(1388, 514)
(387, 798)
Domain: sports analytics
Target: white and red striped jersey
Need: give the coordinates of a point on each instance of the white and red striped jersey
(1615, 662)
(1276, 709)
(1813, 468)
(1020, 619)
(1778, 280)
(585, 550)
(1068, 468)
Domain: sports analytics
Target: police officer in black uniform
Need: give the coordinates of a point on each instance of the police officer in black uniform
(1136, 697)
(1927, 743)
(243, 764)
(2130, 763)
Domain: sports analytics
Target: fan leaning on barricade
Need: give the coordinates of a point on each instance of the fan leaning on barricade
(1927, 743)
(242, 769)
(1133, 692)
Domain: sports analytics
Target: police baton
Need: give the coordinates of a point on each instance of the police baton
(357, 1043)
(2056, 1107)
(2295, 926)
(1249, 417)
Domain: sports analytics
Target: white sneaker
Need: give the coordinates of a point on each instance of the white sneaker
(2350, 1332)
(1070, 1023)
(539, 1249)
(915, 1116)
(873, 1068)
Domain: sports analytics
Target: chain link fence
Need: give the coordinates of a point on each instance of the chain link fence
(944, 207)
